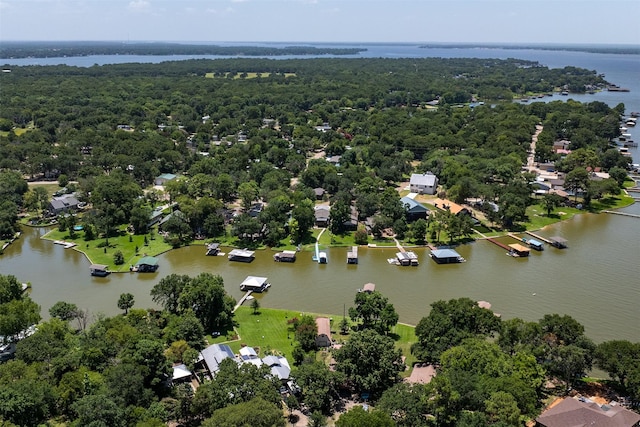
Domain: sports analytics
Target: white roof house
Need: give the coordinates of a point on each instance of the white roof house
(425, 183)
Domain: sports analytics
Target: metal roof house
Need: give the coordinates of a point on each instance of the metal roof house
(413, 209)
(279, 365)
(426, 183)
(213, 355)
(446, 256)
(59, 205)
(249, 355)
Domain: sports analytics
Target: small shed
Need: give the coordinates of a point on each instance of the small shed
(446, 256)
(181, 374)
(518, 250)
(323, 339)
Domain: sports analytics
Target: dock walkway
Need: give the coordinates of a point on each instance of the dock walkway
(502, 245)
(623, 213)
(242, 300)
(535, 236)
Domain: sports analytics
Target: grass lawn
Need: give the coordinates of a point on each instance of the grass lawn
(269, 331)
(104, 255)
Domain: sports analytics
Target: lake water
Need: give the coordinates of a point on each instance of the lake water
(596, 280)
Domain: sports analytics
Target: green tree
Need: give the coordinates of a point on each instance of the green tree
(358, 417)
(255, 306)
(206, 296)
(619, 358)
(374, 310)
(405, 403)
(118, 257)
(125, 302)
(550, 201)
(319, 386)
(502, 407)
(17, 315)
(64, 310)
(449, 323)
(370, 361)
(10, 289)
(168, 290)
(306, 331)
(256, 413)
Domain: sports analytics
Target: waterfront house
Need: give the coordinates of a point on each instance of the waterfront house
(323, 339)
(211, 357)
(322, 215)
(64, 204)
(249, 355)
(181, 374)
(413, 210)
(279, 365)
(584, 412)
(425, 183)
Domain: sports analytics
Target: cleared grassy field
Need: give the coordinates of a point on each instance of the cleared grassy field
(268, 331)
(132, 247)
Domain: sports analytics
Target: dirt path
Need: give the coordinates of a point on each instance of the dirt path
(532, 149)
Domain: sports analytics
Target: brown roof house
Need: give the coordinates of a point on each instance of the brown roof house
(323, 339)
(582, 413)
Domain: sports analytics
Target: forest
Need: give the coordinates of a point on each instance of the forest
(58, 49)
(245, 129)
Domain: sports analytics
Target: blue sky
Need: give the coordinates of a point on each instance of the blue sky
(479, 21)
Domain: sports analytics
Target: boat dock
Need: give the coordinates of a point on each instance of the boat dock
(285, 256)
(623, 214)
(242, 300)
(502, 245)
(352, 255)
(213, 249)
(403, 257)
(532, 243)
(535, 236)
(320, 257)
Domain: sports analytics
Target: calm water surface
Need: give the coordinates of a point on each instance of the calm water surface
(596, 280)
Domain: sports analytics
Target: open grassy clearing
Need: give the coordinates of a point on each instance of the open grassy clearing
(268, 331)
(133, 247)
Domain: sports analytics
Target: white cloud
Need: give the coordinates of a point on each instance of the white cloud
(139, 5)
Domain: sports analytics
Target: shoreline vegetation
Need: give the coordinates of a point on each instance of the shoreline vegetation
(133, 247)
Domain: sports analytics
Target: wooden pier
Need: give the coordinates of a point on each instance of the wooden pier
(623, 214)
(502, 245)
(242, 300)
(535, 236)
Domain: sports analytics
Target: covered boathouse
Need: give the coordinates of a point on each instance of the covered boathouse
(285, 256)
(517, 250)
(242, 255)
(99, 270)
(558, 242)
(534, 244)
(255, 284)
(147, 264)
(446, 256)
